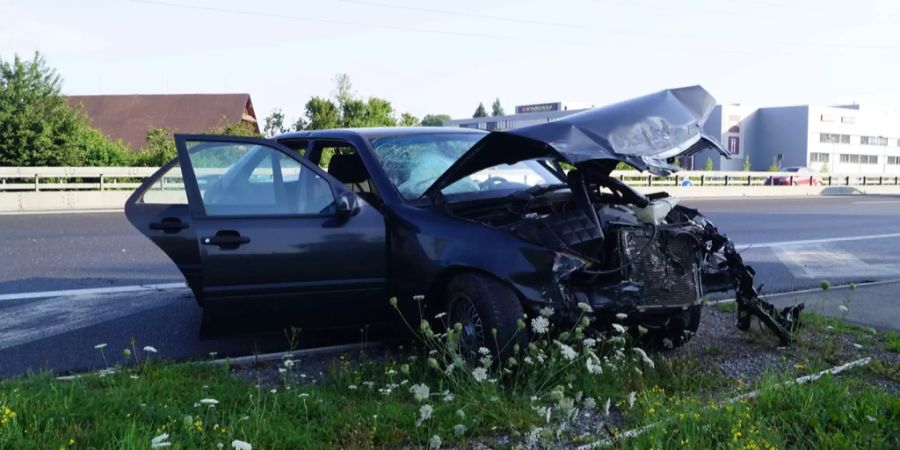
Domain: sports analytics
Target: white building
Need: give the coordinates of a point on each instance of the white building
(837, 139)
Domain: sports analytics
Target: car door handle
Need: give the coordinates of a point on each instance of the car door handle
(169, 225)
(226, 240)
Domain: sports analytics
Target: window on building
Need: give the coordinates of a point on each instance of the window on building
(893, 160)
(873, 140)
(834, 138)
(818, 157)
(848, 119)
(845, 139)
(869, 159)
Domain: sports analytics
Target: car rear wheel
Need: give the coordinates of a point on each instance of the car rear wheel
(481, 304)
(667, 331)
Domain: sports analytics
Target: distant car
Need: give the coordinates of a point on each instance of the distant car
(325, 226)
(803, 177)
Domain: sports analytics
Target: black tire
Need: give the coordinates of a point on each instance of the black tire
(482, 304)
(669, 331)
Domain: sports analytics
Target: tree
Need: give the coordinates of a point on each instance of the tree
(380, 113)
(408, 120)
(709, 164)
(343, 90)
(274, 123)
(774, 167)
(746, 165)
(322, 113)
(480, 112)
(434, 120)
(38, 127)
(497, 108)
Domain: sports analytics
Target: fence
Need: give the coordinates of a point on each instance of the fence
(128, 178)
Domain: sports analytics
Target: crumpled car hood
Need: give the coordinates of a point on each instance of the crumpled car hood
(642, 132)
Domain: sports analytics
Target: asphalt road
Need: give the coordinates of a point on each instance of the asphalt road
(793, 243)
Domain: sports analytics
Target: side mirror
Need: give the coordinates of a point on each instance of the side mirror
(346, 205)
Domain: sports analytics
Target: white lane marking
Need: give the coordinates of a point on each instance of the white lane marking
(816, 241)
(876, 202)
(92, 291)
(32, 321)
(821, 262)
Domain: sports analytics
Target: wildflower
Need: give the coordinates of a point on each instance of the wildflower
(540, 325)
(589, 342)
(632, 396)
(448, 397)
(100, 346)
(520, 324)
(393, 301)
(404, 369)
(159, 441)
(440, 315)
(593, 365)
(621, 316)
(460, 414)
(420, 392)
(435, 442)
(419, 297)
(241, 445)
(126, 353)
(857, 346)
(424, 413)
(459, 429)
(432, 363)
(640, 352)
(619, 328)
(480, 374)
(870, 418)
(606, 407)
(150, 349)
(209, 401)
(352, 387)
(584, 307)
(547, 311)
(589, 403)
(843, 308)
(642, 330)
(567, 352)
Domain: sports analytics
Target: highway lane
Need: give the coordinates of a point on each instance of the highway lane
(71, 251)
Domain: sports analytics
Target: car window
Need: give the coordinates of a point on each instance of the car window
(413, 163)
(247, 179)
(167, 190)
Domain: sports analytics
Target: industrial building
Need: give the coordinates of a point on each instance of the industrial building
(844, 139)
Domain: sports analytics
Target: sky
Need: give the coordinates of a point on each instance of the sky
(447, 56)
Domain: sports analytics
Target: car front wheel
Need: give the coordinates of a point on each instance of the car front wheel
(480, 305)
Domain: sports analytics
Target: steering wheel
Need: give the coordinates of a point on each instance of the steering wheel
(492, 182)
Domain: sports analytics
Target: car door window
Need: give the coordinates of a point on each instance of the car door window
(240, 179)
(167, 190)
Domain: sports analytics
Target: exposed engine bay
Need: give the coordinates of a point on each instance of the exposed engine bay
(623, 252)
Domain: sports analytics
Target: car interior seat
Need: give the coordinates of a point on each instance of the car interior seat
(349, 169)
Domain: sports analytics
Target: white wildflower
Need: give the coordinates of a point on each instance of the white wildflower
(857, 346)
(448, 397)
(547, 311)
(642, 330)
(843, 308)
(352, 387)
(440, 315)
(100, 346)
(540, 325)
(619, 328)
(606, 407)
(589, 342)
(459, 429)
(589, 403)
(160, 441)
(241, 445)
(435, 442)
(584, 307)
(369, 384)
(274, 391)
(632, 396)
(484, 351)
(282, 370)
(209, 401)
(621, 316)
(870, 418)
(667, 343)
(567, 352)
(640, 352)
(150, 349)
(420, 392)
(486, 361)
(480, 374)
(289, 363)
(424, 413)
(593, 365)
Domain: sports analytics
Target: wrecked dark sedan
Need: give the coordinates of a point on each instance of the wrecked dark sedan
(325, 226)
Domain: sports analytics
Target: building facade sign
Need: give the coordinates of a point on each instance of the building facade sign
(538, 107)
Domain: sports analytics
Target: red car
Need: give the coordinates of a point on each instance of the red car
(803, 177)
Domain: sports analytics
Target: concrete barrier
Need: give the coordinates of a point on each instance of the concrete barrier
(62, 201)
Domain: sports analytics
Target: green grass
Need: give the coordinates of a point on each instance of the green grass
(892, 341)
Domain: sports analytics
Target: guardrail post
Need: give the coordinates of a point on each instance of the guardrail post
(726, 180)
(649, 180)
(702, 179)
(880, 180)
(864, 180)
(749, 180)
(829, 180)
(36, 188)
(101, 181)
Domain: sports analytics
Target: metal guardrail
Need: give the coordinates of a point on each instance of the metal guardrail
(126, 178)
(72, 178)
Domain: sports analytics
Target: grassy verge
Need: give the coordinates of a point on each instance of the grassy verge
(421, 400)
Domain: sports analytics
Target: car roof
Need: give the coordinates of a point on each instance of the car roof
(376, 132)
